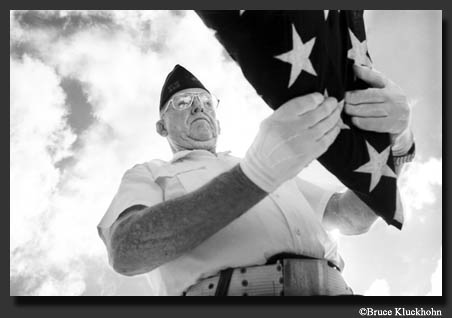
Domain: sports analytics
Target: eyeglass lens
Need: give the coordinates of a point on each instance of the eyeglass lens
(184, 101)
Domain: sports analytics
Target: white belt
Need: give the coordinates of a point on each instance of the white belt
(288, 277)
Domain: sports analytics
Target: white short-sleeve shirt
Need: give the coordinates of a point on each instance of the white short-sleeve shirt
(287, 220)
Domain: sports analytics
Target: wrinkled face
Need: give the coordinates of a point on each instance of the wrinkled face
(195, 127)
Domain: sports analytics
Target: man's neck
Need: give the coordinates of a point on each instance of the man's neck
(179, 149)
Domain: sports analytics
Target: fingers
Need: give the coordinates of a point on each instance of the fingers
(328, 138)
(372, 124)
(365, 96)
(370, 76)
(301, 105)
(328, 123)
(366, 110)
(320, 113)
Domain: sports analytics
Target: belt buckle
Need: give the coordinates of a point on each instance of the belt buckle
(312, 277)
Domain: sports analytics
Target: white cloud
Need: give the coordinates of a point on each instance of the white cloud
(417, 184)
(437, 278)
(39, 137)
(73, 285)
(379, 287)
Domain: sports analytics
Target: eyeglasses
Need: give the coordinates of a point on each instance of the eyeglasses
(185, 100)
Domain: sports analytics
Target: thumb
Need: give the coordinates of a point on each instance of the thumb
(370, 76)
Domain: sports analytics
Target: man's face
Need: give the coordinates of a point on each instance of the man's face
(195, 127)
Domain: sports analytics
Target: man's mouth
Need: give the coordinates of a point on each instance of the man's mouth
(201, 131)
(200, 118)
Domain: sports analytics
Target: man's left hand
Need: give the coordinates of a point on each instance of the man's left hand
(381, 108)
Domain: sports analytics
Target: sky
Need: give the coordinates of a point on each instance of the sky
(84, 92)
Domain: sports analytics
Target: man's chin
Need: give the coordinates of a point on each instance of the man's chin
(201, 135)
(202, 142)
(203, 139)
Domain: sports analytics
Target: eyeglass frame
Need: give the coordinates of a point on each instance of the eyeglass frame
(191, 102)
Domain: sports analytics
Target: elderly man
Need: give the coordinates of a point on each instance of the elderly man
(207, 223)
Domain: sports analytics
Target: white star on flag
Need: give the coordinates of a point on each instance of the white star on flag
(342, 125)
(298, 57)
(358, 51)
(376, 166)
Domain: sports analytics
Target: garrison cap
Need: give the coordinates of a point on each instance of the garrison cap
(178, 79)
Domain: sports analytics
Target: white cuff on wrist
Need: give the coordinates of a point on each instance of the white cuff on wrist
(402, 143)
(258, 178)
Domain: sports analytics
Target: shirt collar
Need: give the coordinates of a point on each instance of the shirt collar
(197, 153)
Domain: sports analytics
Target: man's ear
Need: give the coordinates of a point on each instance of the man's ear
(161, 129)
(218, 125)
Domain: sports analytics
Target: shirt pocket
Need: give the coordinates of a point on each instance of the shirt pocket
(177, 181)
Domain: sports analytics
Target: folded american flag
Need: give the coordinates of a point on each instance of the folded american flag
(285, 54)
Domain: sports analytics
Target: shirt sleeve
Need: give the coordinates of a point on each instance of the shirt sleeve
(137, 188)
(316, 196)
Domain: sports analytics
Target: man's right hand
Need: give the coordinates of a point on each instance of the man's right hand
(298, 132)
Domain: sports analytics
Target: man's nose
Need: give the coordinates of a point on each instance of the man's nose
(197, 106)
